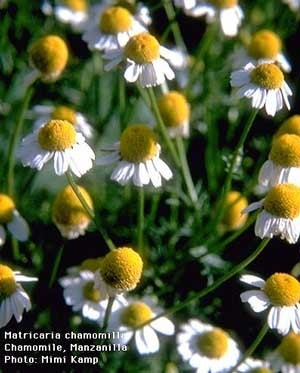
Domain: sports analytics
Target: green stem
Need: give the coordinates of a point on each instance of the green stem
(171, 14)
(253, 346)
(107, 313)
(56, 265)
(220, 206)
(15, 139)
(15, 249)
(122, 102)
(239, 267)
(162, 127)
(89, 211)
(186, 170)
(140, 223)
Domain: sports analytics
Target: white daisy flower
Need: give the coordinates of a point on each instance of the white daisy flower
(13, 298)
(254, 365)
(206, 348)
(286, 357)
(120, 271)
(280, 214)
(69, 215)
(138, 158)
(59, 140)
(265, 45)
(14, 222)
(145, 60)
(293, 4)
(71, 12)
(280, 293)
(90, 264)
(227, 12)
(44, 113)
(127, 320)
(110, 27)
(175, 112)
(79, 292)
(283, 165)
(264, 84)
(49, 56)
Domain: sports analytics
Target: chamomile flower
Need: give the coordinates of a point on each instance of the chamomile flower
(264, 84)
(110, 27)
(80, 293)
(280, 293)
(281, 213)
(127, 320)
(254, 366)
(120, 271)
(138, 158)
(227, 12)
(13, 299)
(175, 112)
(290, 125)
(206, 348)
(286, 357)
(265, 45)
(68, 213)
(14, 222)
(283, 165)
(72, 12)
(49, 56)
(59, 140)
(146, 60)
(44, 113)
(234, 205)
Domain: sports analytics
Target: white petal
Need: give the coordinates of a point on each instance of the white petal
(132, 72)
(164, 326)
(108, 159)
(257, 300)
(2, 235)
(146, 340)
(162, 168)
(253, 280)
(18, 227)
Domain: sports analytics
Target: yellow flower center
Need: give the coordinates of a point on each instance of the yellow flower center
(91, 264)
(64, 113)
(283, 200)
(122, 268)
(235, 203)
(291, 125)
(115, 19)
(224, 3)
(68, 210)
(261, 370)
(136, 314)
(7, 207)
(285, 151)
(57, 135)
(90, 293)
(289, 348)
(76, 5)
(174, 109)
(282, 289)
(264, 44)
(267, 75)
(142, 48)
(213, 344)
(138, 144)
(8, 283)
(49, 55)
